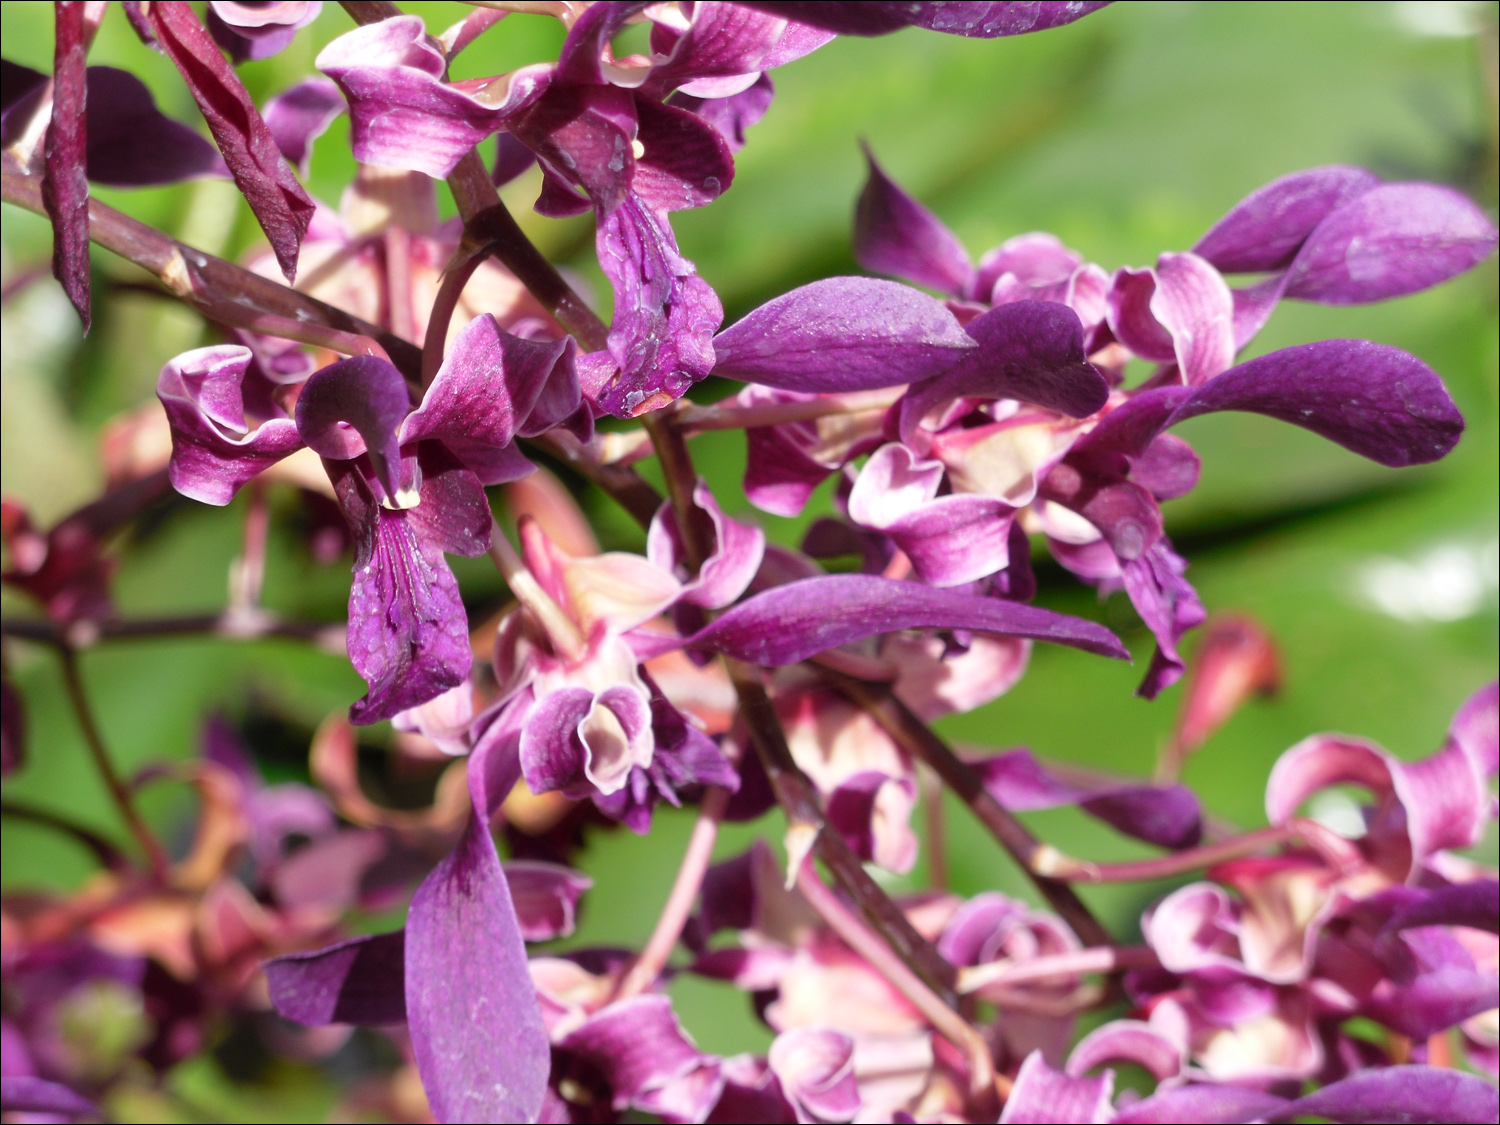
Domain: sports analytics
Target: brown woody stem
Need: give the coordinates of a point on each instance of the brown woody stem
(156, 855)
(919, 740)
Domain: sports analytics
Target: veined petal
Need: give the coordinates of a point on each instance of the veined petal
(724, 575)
(790, 623)
(815, 1066)
(408, 633)
(301, 114)
(1265, 230)
(485, 392)
(665, 314)
(980, 19)
(722, 41)
(684, 162)
(640, 1049)
(213, 450)
(1205, 1104)
(842, 334)
(1026, 350)
(732, 115)
(894, 234)
(1044, 1094)
(258, 31)
(546, 897)
(402, 115)
(359, 981)
(1399, 1093)
(355, 406)
(1475, 728)
(1182, 312)
(1375, 400)
(476, 1027)
(1391, 240)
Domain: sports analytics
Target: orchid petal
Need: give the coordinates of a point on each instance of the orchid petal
(1265, 230)
(684, 162)
(402, 114)
(980, 19)
(894, 234)
(731, 116)
(1168, 816)
(1043, 1094)
(48, 1100)
(258, 31)
(359, 981)
(357, 406)
(1201, 1105)
(1475, 728)
(1126, 1041)
(1168, 605)
(1400, 1093)
(723, 41)
(1036, 260)
(815, 1067)
(213, 450)
(301, 114)
(476, 1028)
(842, 334)
(1375, 400)
(546, 897)
(279, 203)
(1027, 350)
(665, 314)
(1392, 240)
(133, 144)
(485, 392)
(737, 552)
(640, 1049)
(790, 623)
(1181, 312)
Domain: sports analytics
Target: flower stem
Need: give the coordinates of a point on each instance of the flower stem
(104, 850)
(156, 855)
(919, 740)
(693, 418)
(1096, 959)
(679, 905)
(560, 628)
(223, 292)
(468, 259)
(858, 937)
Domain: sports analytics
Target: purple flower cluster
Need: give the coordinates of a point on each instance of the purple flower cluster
(406, 374)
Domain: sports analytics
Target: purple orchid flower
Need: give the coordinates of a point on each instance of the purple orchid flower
(983, 19)
(410, 481)
(249, 30)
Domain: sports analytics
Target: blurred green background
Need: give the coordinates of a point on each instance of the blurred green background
(1126, 134)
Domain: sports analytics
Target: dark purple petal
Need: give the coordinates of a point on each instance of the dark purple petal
(1168, 605)
(359, 981)
(1378, 401)
(583, 135)
(1180, 312)
(1475, 728)
(402, 114)
(22, 93)
(301, 114)
(551, 753)
(842, 334)
(876, 829)
(511, 156)
(65, 185)
(815, 1066)
(1027, 350)
(731, 116)
(1265, 230)
(685, 161)
(792, 622)
(724, 42)
(1035, 261)
(214, 450)
(455, 513)
(1201, 1105)
(639, 1048)
(894, 234)
(476, 1026)
(356, 406)
(1400, 1093)
(485, 392)
(1044, 1094)
(258, 30)
(665, 317)
(1392, 240)
(133, 144)
(262, 174)
(546, 897)
(580, 58)
(737, 552)
(408, 634)
(1167, 469)
(1126, 1041)
(980, 19)
(51, 1100)
(1169, 815)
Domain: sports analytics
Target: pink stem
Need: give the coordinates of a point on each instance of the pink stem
(674, 914)
(1096, 959)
